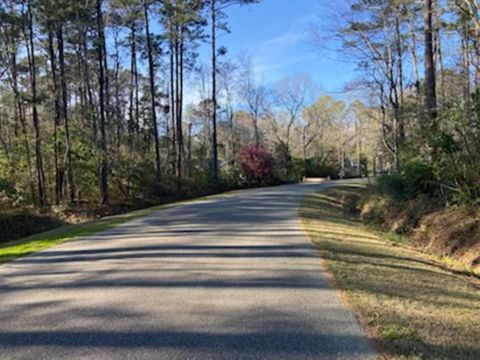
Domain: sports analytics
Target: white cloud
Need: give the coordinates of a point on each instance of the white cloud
(288, 39)
(272, 68)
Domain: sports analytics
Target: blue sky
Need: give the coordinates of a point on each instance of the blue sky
(276, 33)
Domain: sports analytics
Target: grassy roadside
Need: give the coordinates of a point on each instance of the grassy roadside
(410, 308)
(31, 244)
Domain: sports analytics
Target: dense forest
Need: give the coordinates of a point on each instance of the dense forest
(93, 99)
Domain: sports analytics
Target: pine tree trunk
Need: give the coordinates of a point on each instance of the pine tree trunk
(134, 102)
(133, 62)
(68, 143)
(173, 107)
(92, 111)
(180, 144)
(399, 50)
(178, 154)
(42, 196)
(152, 90)
(103, 178)
(439, 55)
(430, 88)
(118, 109)
(56, 142)
(214, 89)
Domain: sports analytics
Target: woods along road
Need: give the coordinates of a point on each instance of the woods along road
(231, 277)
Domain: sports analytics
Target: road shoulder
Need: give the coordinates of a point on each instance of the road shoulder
(409, 307)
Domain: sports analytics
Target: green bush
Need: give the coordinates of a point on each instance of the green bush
(9, 196)
(415, 179)
(392, 185)
(317, 168)
(7, 187)
(200, 183)
(295, 170)
(419, 178)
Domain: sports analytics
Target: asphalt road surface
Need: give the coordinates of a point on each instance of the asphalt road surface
(233, 277)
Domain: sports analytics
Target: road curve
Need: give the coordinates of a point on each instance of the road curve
(232, 277)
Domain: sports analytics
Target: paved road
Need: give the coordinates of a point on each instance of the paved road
(228, 278)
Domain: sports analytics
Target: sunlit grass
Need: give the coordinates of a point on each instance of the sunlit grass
(31, 244)
(396, 332)
(38, 242)
(410, 307)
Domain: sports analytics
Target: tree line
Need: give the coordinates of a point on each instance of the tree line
(107, 101)
(92, 93)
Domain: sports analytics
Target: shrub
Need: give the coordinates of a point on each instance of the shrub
(392, 185)
(282, 161)
(18, 224)
(9, 197)
(415, 179)
(419, 178)
(295, 170)
(256, 165)
(319, 168)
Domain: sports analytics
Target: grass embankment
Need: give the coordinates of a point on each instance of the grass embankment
(31, 244)
(411, 307)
